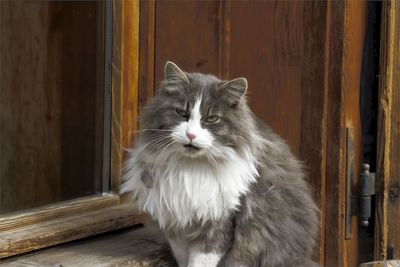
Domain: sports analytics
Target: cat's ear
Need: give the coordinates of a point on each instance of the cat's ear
(234, 90)
(173, 72)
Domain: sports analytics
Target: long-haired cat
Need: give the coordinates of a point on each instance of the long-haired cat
(224, 188)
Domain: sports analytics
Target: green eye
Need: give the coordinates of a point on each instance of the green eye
(212, 119)
(181, 112)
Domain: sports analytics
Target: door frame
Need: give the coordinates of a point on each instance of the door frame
(387, 212)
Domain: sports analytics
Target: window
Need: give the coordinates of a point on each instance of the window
(58, 166)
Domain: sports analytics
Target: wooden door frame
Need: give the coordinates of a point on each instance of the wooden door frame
(387, 213)
(345, 34)
(70, 220)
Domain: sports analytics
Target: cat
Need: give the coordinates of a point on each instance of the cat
(223, 187)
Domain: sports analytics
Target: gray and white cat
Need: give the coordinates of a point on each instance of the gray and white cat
(223, 187)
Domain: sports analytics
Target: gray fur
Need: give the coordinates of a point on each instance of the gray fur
(276, 223)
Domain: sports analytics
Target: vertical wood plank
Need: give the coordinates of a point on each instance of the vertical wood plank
(387, 226)
(334, 162)
(225, 40)
(125, 83)
(188, 33)
(146, 51)
(266, 48)
(356, 16)
(347, 22)
(314, 107)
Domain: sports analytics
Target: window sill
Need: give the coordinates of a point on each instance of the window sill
(68, 228)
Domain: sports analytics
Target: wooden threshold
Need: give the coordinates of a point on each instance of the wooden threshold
(137, 246)
(65, 229)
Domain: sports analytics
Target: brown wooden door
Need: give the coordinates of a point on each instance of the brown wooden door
(303, 63)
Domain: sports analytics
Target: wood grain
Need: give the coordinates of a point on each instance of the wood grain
(334, 162)
(387, 226)
(134, 247)
(393, 263)
(314, 101)
(187, 33)
(146, 51)
(67, 229)
(356, 16)
(125, 83)
(346, 30)
(269, 56)
(54, 211)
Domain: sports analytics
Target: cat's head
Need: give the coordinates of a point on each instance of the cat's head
(196, 115)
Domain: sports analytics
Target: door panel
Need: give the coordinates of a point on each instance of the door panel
(271, 62)
(301, 82)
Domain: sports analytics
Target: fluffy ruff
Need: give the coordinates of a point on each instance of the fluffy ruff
(184, 189)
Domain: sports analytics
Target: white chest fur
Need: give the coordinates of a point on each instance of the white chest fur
(187, 189)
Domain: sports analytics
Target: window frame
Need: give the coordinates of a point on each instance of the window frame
(82, 217)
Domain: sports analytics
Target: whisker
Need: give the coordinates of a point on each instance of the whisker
(162, 151)
(143, 130)
(156, 140)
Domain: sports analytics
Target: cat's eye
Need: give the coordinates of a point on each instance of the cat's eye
(212, 119)
(181, 112)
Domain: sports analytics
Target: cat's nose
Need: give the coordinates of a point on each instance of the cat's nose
(191, 136)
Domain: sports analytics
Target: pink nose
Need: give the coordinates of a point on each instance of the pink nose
(190, 136)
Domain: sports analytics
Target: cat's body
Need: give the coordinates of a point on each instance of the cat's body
(223, 187)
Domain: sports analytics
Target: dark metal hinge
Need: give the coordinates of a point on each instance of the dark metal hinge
(367, 190)
(357, 205)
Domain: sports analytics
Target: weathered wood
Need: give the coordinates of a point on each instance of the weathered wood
(270, 57)
(346, 30)
(146, 51)
(313, 141)
(125, 83)
(333, 230)
(387, 224)
(54, 211)
(188, 33)
(356, 19)
(66, 229)
(393, 263)
(135, 247)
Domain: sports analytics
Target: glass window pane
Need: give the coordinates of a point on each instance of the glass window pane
(51, 101)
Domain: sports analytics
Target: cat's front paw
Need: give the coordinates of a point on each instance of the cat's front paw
(204, 260)
(202, 264)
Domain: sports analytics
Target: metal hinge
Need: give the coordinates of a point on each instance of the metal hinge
(367, 190)
(357, 205)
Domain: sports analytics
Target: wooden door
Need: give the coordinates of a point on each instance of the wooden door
(303, 63)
